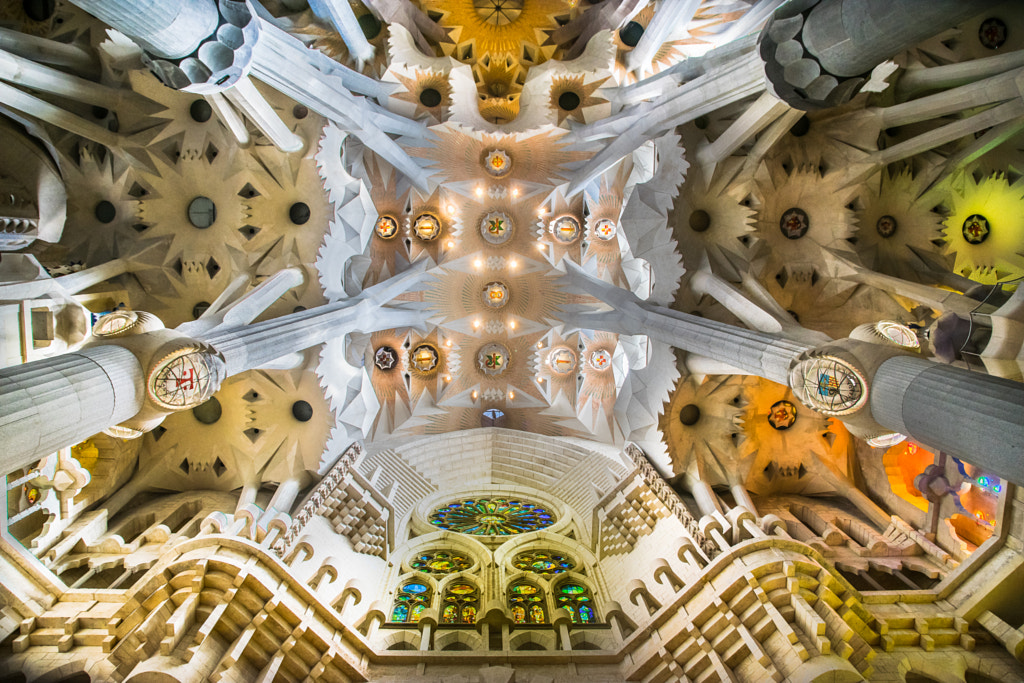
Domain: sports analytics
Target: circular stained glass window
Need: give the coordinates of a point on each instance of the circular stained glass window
(492, 517)
(562, 361)
(898, 334)
(565, 229)
(202, 212)
(976, 229)
(493, 359)
(441, 562)
(886, 226)
(829, 385)
(782, 415)
(794, 223)
(498, 163)
(427, 227)
(992, 33)
(385, 358)
(386, 227)
(601, 360)
(543, 562)
(424, 359)
(495, 295)
(605, 229)
(185, 378)
(496, 227)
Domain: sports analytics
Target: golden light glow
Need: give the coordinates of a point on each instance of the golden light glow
(479, 192)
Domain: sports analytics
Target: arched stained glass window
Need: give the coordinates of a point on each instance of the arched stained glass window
(440, 562)
(412, 599)
(460, 603)
(543, 562)
(526, 604)
(577, 599)
(492, 517)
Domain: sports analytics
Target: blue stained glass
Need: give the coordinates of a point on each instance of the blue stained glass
(400, 613)
(586, 614)
(415, 588)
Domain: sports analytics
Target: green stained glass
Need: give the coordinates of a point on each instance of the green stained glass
(537, 614)
(460, 604)
(577, 599)
(448, 615)
(519, 614)
(573, 589)
(492, 517)
(400, 613)
(543, 562)
(524, 589)
(587, 615)
(440, 562)
(461, 589)
(411, 600)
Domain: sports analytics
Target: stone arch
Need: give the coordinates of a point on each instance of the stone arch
(401, 640)
(826, 669)
(473, 549)
(72, 672)
(458, 640)
(545, 540)
(532, 640)
(152, 677)
(590, 640)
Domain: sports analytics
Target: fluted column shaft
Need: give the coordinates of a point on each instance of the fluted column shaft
(50, 403)
(166, 28)
(851, 37)
(968, 415)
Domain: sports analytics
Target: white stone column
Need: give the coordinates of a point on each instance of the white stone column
(55, 402)
(166, 28)
(968, 415)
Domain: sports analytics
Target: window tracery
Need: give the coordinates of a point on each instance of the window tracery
(461, 600)
(441, 562)
(526, 603)
(577, 599)
(543, 562)
(412, 599)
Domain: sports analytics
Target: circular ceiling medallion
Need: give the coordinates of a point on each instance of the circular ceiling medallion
(427, 227)
(202, 213)
(976, 229)
(886, 226)
(605, 229)
(491, 517)
(898, 334)
(385, 358)
(496, 227)
(122, 432)
(992, 33)
(601, 360)
(493, 359)
(562, 361)
(565, 229)
(782, 415)
(115, 324)
(700, 220)
(886, 440)
(424, 359)
(498, 163)
(689, 415)
(386, 227)
(794, 223)
(495, 295)
(185, 377)
(829, 385)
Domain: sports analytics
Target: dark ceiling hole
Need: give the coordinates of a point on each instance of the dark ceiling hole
(105, 212)
(207, 413)
(302, 411)
(298, 309)
(430, 97)
(100, 112)
(199, 309)
(702, 122)
(568, 101)
(801, 127)
(39, 10)
(300, 111)
(370, 25)
(700, 220)
(202, 213)
(631, 33)
(689, 415)
(299, 213)
(200, 111)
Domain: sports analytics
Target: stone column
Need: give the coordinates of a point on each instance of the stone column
(51, 403)
(968, 415)
(166, 28)
(819, 53)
